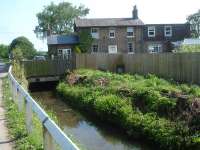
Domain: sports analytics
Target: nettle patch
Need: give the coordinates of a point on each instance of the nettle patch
(162, 112)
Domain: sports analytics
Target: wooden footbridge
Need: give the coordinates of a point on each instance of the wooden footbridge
(44, 71)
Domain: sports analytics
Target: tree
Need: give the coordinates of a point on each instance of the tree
(27, 48)
(58, 19)
(194, 21)
(4, 52)
(85, 41)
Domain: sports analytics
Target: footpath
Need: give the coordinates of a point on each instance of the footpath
(4, 136)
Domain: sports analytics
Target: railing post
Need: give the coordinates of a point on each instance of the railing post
(48, 141)
(29, 115)
(20, 101)
(14, 92)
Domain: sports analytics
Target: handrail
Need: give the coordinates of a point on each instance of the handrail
(50, 130)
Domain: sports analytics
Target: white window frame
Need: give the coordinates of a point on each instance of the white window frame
(130, 30)
(112, 31)
(166, 31)
(65, 53)
(133, 50)
(112, 49)
(151, 29)
(93, 48)
(151, 48)
(95, 35)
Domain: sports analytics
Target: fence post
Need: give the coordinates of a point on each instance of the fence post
(20, 101)
(14, 92)
(48, 141)
(28, 116)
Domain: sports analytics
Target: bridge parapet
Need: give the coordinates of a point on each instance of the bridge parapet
(48, 70)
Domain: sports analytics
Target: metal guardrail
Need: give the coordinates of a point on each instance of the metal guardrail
(51, 132)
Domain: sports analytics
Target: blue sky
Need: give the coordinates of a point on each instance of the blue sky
(18, 17)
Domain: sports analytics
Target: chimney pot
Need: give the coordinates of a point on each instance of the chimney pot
(135, 12)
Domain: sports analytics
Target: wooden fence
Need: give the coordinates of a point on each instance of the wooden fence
(46, 68)
(182, 67)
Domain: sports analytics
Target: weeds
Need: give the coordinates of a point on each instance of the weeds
(144, 107)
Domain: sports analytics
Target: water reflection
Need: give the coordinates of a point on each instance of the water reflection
(88, 134)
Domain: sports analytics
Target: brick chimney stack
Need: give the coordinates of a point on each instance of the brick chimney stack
(135, 12)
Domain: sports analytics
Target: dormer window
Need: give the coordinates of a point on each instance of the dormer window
(168, 31)
(151, 31)
(95, 33)
(112, 33)
(130, 32)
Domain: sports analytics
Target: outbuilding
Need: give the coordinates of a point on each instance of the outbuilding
(61, 46)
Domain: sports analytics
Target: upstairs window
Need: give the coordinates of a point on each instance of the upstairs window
(130, 48)
(168, 31)
(155, 48)
(151, 31)
(95, 33)
(112, 33)
(130, 32)
(95, 48)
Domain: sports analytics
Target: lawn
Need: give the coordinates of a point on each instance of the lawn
(164, 113)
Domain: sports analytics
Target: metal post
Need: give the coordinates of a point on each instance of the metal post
(48, 141)
(20, 102)
(29, 115)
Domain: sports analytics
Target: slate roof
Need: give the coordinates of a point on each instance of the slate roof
(108, 22)
(62, 39)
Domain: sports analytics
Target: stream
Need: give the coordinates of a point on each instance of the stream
(85, 132)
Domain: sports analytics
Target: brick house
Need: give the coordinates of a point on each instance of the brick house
(131, 35)
(121, 35)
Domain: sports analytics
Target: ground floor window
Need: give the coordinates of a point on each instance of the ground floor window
(64, 53)
(130, 48)
(112, 49)
(155, 48)
(95, 48)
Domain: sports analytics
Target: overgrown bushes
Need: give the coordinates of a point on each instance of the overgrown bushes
(144, 107)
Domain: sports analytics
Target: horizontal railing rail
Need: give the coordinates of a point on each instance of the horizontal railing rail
(51, 132)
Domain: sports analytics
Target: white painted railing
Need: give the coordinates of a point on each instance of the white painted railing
(51, 132)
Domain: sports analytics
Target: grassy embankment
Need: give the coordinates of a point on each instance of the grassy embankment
(163, 113)
(16, 124)
(16, 119)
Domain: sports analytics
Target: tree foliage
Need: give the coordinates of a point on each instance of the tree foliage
(4, 52)
(194, 21)
(26, 47)
(85, 41)
(58, 19)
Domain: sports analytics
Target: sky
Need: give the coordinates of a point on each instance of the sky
(18, 17)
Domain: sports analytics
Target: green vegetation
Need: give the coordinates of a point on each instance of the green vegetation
(188, 48)
(58, 18)
(194, 21)
(16, 124)
(4, 52)
(85, 40)
(147, 108)
(25, 46)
